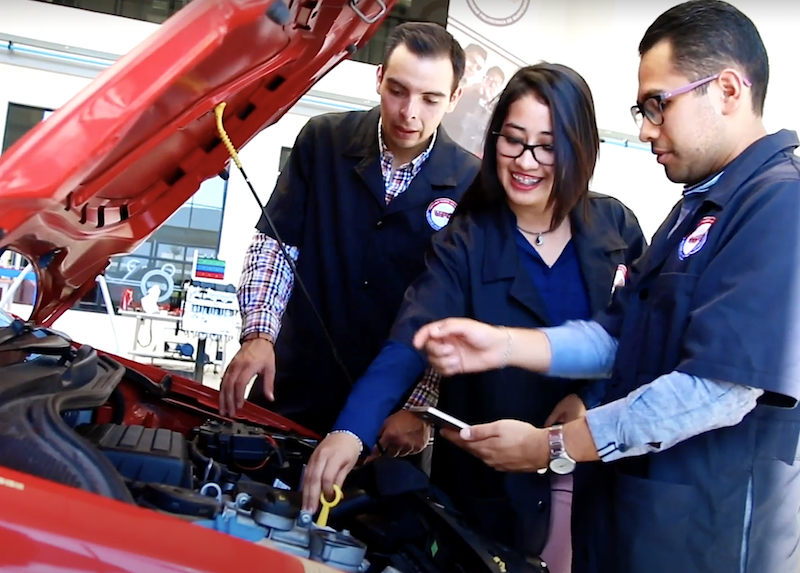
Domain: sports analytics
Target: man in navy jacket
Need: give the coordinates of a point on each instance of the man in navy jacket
(356, 205)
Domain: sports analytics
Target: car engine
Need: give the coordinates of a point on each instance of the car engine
(83, 419)
(208, 478)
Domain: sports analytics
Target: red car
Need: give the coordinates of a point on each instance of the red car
(108, 465)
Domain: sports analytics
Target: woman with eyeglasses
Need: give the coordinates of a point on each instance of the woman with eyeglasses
(528, 246)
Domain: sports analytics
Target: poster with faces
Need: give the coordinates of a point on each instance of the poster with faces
(488, 68)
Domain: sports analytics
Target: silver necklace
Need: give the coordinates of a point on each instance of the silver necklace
(539, 240)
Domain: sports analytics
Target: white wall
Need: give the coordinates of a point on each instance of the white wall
(260, 161)
(599, 39)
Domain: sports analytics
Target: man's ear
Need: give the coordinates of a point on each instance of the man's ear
(732, 91)
(378, 78)
(454, 99)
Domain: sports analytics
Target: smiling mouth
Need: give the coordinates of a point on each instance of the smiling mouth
(525, 179)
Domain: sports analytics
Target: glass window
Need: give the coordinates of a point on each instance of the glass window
(403, 11)
(211, 193)
(155, 11)
(171, 252)
(19, 120)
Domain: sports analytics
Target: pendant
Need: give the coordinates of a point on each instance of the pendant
(539, 241)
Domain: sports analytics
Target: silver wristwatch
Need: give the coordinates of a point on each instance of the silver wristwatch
(560, 462)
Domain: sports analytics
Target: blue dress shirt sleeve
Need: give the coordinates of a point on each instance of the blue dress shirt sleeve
(387, 380)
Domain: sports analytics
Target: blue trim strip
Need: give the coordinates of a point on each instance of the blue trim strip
(14, 273)
(15, 48)
(748, 523)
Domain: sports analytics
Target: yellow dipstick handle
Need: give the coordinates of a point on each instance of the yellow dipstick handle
(322, 520)
(224, 136)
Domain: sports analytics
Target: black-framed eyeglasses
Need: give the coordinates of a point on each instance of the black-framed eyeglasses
(652, 108)
(513, 147)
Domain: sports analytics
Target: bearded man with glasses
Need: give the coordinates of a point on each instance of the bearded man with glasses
(699, 430)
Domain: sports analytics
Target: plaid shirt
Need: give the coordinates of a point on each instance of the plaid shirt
(398, 181)
(267, 281)
(426, 392)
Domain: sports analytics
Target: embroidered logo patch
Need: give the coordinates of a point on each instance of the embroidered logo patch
(439, 212)
(620, 278)
(694, 241)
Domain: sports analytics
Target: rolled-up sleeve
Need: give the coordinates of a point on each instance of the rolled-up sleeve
(665, 412)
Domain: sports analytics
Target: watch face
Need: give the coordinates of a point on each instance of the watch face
(562, 466)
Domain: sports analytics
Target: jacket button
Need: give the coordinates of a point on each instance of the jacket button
(379, 225)
(644, 293)
(541, 505)
(365, 284)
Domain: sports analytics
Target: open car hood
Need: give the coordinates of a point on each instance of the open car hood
(109, 167)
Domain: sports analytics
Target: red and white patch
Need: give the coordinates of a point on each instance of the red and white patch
(620, 278)
(439, 212)
(694, 241)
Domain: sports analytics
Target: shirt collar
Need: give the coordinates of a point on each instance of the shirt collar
(415, 163)
(703, 186)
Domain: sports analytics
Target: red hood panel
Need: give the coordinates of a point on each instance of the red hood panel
(110, 166)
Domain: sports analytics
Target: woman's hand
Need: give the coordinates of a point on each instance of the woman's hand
(505, 445)
(329, 465)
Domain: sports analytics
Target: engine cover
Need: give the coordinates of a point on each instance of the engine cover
(150, 455)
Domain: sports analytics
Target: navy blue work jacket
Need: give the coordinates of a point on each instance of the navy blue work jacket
(475, 271)
(357, 255)
(719, 298)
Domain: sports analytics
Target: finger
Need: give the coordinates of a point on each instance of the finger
(373, 455)
(268, 383)
(408, 451)
(229, 389)
(391, 451)
(239, 388)
(450, 327)
(223, 386)
(240, 385)
(342, 475)
(332, 469)
(311, 484)
(556, 416)
(480, 432)
(449, 366)
(423, 334)
(452, 436)
(439, 349)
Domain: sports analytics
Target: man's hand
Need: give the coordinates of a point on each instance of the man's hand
(462, 345)
(505, 445)
(570, 408)
(402, 434)
(255, 357)
(330, 463)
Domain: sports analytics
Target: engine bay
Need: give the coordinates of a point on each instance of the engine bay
(99, 423)
(233, 478)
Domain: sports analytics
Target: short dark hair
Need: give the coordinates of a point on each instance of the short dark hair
(427, 40)
(707, 36)
(576, 139)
